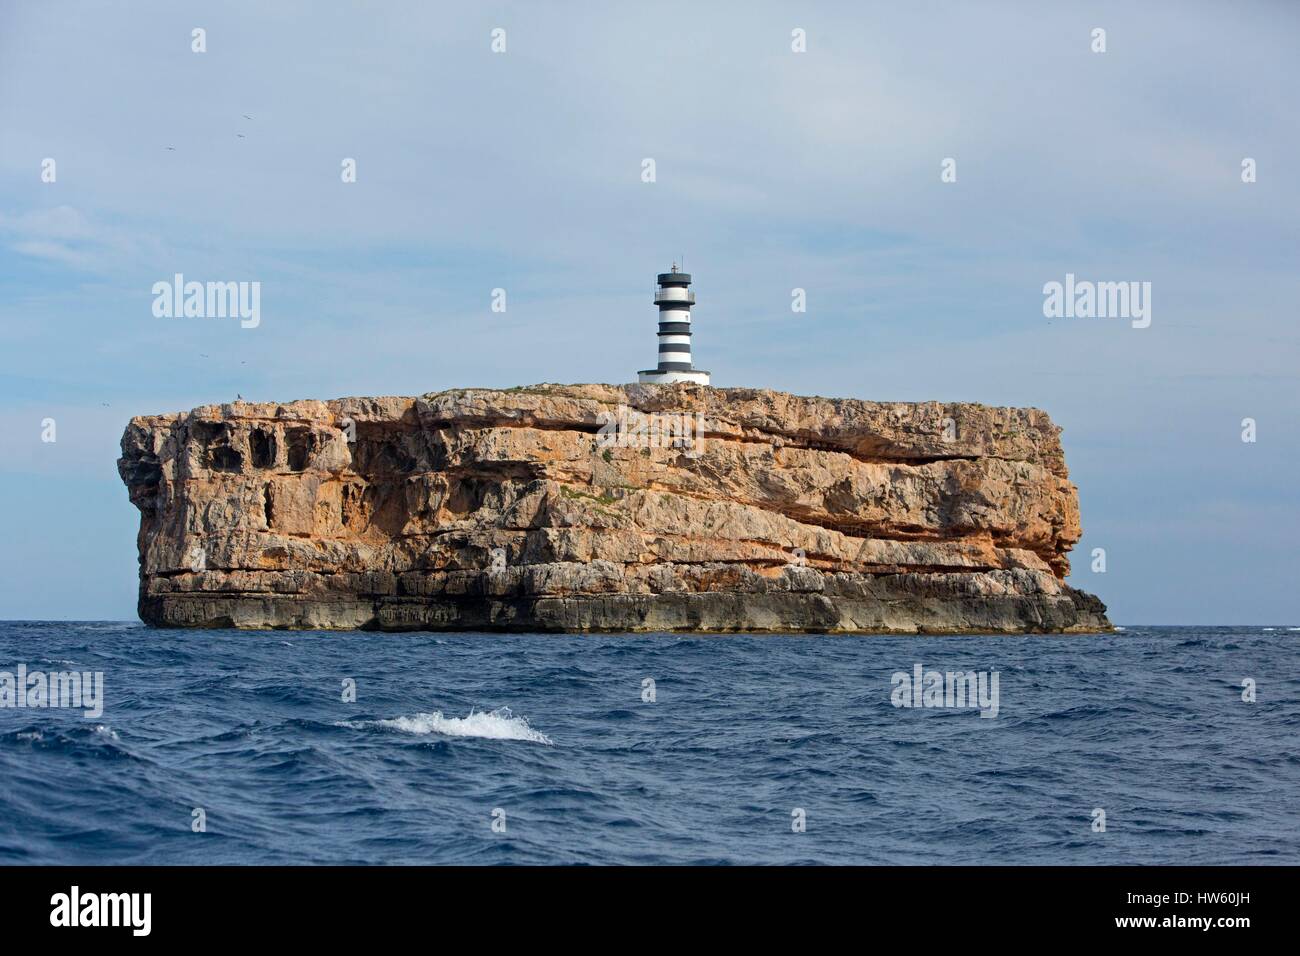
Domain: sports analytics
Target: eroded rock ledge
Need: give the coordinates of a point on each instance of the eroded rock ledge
(486, 509)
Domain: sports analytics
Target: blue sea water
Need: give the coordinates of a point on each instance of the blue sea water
(551, 734)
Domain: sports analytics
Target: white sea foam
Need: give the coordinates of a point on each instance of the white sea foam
(498, 724)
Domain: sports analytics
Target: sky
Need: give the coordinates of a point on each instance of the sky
(774, 170)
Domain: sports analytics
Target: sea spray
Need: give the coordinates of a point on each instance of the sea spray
(499, 724)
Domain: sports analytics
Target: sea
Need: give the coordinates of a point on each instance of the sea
(1152, 745)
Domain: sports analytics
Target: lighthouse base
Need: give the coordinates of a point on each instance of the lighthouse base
(656, 377)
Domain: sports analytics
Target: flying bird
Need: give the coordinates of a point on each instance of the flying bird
(172, 148)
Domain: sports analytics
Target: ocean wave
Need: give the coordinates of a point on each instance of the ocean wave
(37, 735)
(756, 728)
(499, 724)
(90, 740)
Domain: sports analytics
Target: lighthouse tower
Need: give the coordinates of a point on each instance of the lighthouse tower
(674, 299)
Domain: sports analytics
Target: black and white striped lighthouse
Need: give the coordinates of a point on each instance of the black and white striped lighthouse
(674, 299)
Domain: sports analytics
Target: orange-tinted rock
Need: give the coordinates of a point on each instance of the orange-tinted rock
(519, 509)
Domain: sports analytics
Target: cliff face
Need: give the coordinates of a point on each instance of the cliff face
(592, 507)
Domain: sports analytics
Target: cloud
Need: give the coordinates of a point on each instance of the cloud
(66, 236)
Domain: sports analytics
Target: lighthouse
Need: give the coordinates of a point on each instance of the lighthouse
(674, 298)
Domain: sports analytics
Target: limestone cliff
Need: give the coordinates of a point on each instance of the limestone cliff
(612, 508)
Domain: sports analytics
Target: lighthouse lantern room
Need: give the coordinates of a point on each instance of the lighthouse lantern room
(674, 298)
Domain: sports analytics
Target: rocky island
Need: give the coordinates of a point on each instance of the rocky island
(606, 508)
